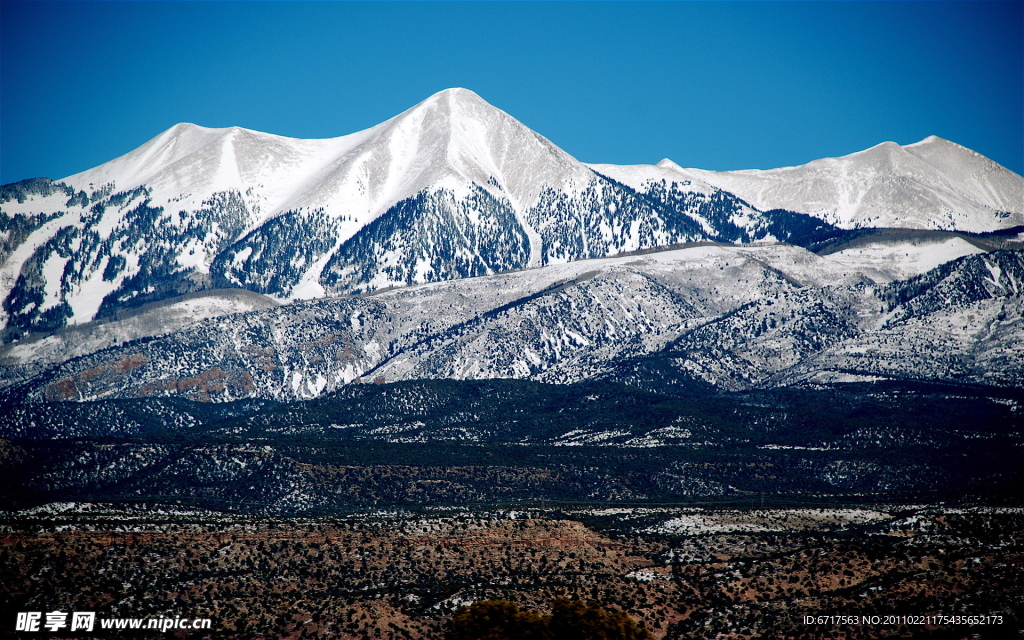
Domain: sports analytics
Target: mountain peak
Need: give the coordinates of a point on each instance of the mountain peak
(456, 93)
(930, 140)
(451, 102)
(456, 133)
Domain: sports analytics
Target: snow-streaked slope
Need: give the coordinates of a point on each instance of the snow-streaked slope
(886, 261)
(304, 349)
(156, 319)
(931, 184)
(185, 164)
(962, 321)
(197, 207)
(717, 317)
(452, 139)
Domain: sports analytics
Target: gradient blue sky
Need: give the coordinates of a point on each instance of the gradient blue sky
(715, 85)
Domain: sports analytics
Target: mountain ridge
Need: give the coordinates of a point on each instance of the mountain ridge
(941, 185)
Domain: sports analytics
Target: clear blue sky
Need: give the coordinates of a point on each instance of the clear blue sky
(730, 85)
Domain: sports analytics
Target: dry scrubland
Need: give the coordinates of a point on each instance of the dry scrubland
(684, 574)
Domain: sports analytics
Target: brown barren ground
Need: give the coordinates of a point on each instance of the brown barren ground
(401, 576)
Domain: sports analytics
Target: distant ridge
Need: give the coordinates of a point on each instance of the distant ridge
(931, 184)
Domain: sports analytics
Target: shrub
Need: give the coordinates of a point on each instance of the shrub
(568, 620)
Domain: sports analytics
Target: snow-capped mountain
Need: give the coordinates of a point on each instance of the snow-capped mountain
(146, 249)
(451, 188)
(931, 184)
